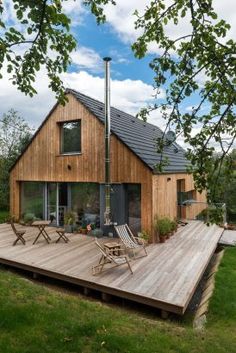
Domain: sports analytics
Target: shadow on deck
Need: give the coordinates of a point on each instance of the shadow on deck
(165, 279)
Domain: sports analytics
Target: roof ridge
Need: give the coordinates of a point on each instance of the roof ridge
(73, 91)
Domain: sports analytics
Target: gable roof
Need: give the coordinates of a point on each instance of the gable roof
(137, 135)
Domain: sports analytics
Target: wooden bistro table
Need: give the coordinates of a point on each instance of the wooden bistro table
(113, 247)
(41, 226)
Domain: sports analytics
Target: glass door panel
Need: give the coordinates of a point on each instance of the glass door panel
(134, 207)
(52, 209)
(63, 202)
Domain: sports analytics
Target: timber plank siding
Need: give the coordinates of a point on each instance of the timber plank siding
(42, 161)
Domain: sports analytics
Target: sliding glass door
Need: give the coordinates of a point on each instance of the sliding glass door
(32, 200)
(52, 202)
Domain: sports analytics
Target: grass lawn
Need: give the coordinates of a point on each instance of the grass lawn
(3, 216)
(35, 319)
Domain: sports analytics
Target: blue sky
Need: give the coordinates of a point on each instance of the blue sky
(131, 85)
(106, 42)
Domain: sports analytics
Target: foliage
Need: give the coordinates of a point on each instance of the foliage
(69, 218)
(3, 216)
(144, 235)
(224, 191)
(162, 226)
(173, 225)
(197, 65)
(36, 319)
(29, 218)
(212, 214)
(15, 134)
(84, 223)
(41, 38)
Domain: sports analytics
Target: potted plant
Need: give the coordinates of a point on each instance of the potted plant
(69, 220)
(169, 227)
(174, 226)
(83, 228)
(162, 227)
(144, 236)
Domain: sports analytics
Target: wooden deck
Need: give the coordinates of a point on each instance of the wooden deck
(228, 238)
(166, 278)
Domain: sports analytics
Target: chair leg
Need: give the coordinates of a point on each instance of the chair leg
(127, 261)
(19, 238)
(14, 243)
(63, 237)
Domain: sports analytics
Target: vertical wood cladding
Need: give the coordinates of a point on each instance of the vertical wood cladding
(42, 162)
(165, 195)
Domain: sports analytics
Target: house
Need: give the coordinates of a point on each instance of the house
(62, 169)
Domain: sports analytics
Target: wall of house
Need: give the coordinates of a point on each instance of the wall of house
(165, 195)
(42, 160)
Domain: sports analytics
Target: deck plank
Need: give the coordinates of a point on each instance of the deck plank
(166, 278)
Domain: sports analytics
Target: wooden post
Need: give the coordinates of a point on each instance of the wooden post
(86, 291)
(35, 275)
(164, 314)
(106, 297)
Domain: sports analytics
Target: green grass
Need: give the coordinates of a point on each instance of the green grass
(3, 216)
(35, 319)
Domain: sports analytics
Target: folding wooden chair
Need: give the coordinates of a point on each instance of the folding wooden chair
(19, 234)
(109, 258)
(130, 242)
(61, 232)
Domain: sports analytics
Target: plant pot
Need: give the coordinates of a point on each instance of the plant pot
(97, 232)
(162, 239)
(68, 228)
(84, 231)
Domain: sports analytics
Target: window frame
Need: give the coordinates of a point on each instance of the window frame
(61, 123)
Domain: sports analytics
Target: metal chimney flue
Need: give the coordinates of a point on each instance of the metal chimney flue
(107, 213)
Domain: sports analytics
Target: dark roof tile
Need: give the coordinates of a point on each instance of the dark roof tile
(138, 136)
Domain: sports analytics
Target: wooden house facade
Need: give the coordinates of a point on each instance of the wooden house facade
(62, 169)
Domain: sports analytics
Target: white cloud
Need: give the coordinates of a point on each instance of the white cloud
(87, 58)
(121, 17)
(75, 10)
(124, 10)
(128, 95)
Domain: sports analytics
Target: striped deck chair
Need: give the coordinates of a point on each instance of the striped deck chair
(130, 242)
(109, 258)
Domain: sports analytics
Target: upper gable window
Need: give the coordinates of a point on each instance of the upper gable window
(71, 137)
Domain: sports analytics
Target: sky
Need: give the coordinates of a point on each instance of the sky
(131, 79)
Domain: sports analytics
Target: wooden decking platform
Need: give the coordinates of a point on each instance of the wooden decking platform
(165, 279)
(228, 238)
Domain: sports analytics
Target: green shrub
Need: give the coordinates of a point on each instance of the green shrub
(144, 235)
(174, 225)
(162, 226)
(210, 215)
(69, 218)
(28, 218)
